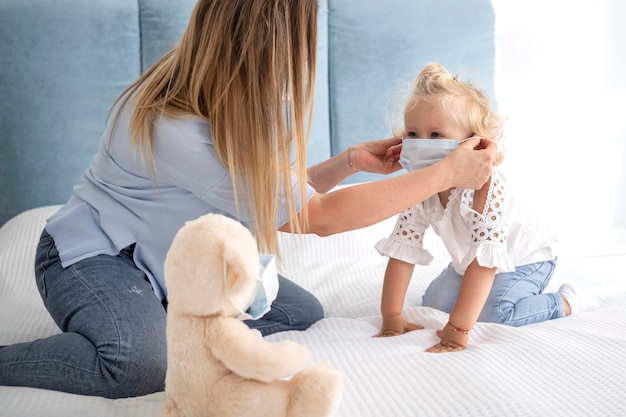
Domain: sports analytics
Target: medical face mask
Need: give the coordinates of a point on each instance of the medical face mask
(422, 153)
(266, 291)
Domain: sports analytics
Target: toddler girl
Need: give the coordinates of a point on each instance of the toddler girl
(502, 257)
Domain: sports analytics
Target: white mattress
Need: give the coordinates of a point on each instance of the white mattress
(568, 367)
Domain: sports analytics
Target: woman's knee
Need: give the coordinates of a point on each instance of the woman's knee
(312, 313)
(300, 308)
(298, 316)
(294, 309)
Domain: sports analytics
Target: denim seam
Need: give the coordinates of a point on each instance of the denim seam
(79, 275)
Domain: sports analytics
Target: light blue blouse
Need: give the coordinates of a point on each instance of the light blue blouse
(119, 201)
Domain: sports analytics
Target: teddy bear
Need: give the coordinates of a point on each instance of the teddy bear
(217, 365)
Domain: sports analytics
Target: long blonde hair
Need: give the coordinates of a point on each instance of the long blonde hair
(248, 68)
(468, 105)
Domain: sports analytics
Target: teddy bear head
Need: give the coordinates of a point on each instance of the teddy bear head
(212, 267)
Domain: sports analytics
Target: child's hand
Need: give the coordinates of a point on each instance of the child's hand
(451, 341)
(396, 325)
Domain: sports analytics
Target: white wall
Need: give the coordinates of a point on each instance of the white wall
(561, 79)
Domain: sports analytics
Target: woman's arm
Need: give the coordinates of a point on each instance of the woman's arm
(378, 156)
(397, 278)
(365, 204)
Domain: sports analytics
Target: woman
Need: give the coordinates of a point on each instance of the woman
(211, 127)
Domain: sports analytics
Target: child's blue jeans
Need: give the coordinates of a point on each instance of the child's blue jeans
(516, 298)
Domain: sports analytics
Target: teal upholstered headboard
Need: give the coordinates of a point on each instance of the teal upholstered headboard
(64, 62)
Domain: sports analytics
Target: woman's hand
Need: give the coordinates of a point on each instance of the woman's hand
(377, 156)
(396, 325)
(469, 165)
(451, 341)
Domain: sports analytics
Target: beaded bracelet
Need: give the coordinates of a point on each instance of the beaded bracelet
(458, 329)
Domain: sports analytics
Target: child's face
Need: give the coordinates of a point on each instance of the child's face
(428, 121)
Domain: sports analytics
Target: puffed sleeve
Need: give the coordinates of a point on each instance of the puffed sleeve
(489, 229)
(406, 242)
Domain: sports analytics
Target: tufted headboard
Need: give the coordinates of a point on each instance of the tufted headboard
(63, 63)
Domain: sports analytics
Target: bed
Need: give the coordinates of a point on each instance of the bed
(64, 62)
(574, 366)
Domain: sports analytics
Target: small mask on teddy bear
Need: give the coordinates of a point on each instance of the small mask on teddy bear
(266, 292)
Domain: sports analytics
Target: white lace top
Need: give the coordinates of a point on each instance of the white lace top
(504, 236)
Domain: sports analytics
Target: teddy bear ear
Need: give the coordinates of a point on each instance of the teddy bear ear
(235, 269)
(233, 278)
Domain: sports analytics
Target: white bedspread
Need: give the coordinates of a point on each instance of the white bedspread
(569, 367)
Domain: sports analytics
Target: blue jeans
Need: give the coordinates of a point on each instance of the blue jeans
(113, 327)
(516, 298)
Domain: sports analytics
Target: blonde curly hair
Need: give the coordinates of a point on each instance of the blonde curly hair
(469, 106)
